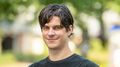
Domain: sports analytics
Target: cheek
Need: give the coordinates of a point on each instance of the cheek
(43, 35)
(63, 36)
(63, 40)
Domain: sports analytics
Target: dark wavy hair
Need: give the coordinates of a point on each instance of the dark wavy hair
(59, 10)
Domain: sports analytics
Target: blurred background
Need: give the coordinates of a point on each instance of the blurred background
(96, 34)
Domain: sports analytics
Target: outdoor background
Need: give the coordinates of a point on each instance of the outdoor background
(96, 34)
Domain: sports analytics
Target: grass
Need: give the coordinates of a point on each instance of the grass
(7, 57)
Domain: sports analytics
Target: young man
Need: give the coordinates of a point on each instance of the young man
(56, 23)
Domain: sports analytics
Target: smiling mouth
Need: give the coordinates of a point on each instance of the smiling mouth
(51, 39)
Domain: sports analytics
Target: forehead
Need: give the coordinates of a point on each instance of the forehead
(55, 20)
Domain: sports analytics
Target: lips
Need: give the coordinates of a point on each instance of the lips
(51, 40)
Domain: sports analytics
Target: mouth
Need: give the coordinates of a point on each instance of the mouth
(51, 40)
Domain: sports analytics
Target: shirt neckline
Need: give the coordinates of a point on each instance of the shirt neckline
(62, 60)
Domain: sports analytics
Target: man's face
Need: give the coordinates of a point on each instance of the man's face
(54, 34)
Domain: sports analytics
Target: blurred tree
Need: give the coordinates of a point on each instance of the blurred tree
(9, 10)
(96, 8)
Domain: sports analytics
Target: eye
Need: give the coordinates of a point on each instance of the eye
(45, 28)
(58, 27)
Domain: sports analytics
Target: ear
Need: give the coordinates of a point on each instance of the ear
(70, 31)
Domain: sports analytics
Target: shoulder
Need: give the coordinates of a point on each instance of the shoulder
(85, 62)
(88, 63)
(39, 63)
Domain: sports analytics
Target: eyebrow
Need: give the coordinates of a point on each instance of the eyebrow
(53, 25)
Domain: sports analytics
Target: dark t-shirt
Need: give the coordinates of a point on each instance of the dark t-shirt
(72, 61)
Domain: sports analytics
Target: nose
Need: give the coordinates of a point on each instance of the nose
(51, 32)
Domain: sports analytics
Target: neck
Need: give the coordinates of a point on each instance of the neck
(59, 54)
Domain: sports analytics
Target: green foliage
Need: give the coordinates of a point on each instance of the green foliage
(7, 57)
(9, 8)
(46, 2)
(82, 4)
(29, 57)
(113, 6)
(97, 53)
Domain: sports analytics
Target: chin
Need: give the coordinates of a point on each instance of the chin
(53, 46)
